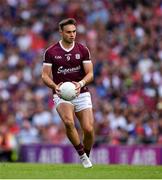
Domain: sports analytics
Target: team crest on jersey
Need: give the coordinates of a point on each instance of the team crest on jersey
(68, 56)
(77, 56)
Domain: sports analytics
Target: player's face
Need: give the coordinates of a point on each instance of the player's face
(68, 33)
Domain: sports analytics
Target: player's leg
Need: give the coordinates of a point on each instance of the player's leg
(66, 112)
(86, 120)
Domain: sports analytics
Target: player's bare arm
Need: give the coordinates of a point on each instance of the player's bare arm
(46, 77)
(88, 68)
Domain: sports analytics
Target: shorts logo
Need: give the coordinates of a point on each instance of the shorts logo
(77, 56)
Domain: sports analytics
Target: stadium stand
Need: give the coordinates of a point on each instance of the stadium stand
(125, 40)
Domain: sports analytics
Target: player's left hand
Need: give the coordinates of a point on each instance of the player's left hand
(78, 88)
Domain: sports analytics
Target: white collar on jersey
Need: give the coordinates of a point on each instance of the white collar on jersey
(67, 50)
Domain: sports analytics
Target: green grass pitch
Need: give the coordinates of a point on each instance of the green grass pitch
(76, 171)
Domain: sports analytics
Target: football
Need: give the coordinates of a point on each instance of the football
(68, 91)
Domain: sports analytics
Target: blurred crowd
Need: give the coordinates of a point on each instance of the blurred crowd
(125, 41)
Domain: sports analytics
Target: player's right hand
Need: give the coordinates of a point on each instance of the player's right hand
(57, 89)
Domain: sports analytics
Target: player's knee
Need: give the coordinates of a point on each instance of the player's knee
(69, 125)
(88, 130)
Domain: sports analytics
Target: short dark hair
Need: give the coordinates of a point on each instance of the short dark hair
(65, 22)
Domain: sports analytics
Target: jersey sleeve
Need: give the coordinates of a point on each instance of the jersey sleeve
(47, 59)
(86, 55)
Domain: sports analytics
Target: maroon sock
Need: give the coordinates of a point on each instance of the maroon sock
(80, 149)
(87, 151)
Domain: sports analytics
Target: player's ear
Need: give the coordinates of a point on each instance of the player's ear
(59, 28)
(60, 31)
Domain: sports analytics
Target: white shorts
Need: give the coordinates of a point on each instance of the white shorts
(83, 101)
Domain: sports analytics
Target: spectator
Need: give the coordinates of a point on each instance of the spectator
(124, 40)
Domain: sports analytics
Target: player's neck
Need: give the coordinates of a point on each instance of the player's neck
(67, 45)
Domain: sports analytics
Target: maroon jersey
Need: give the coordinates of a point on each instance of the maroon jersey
(67, 64)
